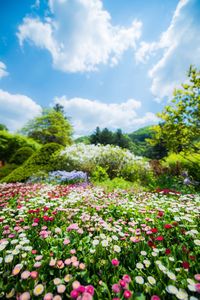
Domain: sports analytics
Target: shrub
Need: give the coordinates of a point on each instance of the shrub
(86, 157)
(138, 172)
(99, 174)
(42, 160)
(7, 169)
(178, 163)
(10, 143)
(21, 155)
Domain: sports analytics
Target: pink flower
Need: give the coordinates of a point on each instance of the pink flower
(86, 296)
(68, 261)
(74, 294)
(25, 275)
(197, 277)
(75, 284)
(115, 262)
(123, 283)
(48, 296)
(81, 289)
(197, 287)
(73, 251)
(60, 264)
(126, 278)
(155, 297)
(127, 294)
(25, 296)
(116, 288)
(34, 274)
(90, 289)
(66, 242)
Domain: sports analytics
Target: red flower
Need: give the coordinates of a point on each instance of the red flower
(168, 226)
(36, 220)
(154, 230)
(185, 265)
(167, 251)
(160, 213)
(151, 244)
(192, 257)
(159, 238)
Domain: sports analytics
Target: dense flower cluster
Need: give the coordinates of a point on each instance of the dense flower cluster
(83, 157)
(77, 242)
(63, 176)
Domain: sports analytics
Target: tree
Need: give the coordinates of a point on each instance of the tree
(95, 138)
(121, 139)
(180, 129)
(3, 127)
(52, 126)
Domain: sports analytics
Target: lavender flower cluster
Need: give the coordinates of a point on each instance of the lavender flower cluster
(64, 176)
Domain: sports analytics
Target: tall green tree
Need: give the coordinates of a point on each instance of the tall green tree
(95, 138)
(180, 129)
(51, 126)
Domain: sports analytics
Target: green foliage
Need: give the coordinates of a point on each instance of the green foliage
(180, 129)
(141, 134)
(51, 127)
(7, 169)
(107, 137)
(10, 143)
(139, 173)
(83, 139)
(99, 174)
(21, 155)
(117, 183)
(177, 163)
(3, 127)
(42, 160)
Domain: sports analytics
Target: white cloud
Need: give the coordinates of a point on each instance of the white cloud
(3, 71)
(87, 114)
(178, 46)
(16, 110)
(79, 35)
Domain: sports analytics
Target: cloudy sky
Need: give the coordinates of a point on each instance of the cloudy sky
(110, 63)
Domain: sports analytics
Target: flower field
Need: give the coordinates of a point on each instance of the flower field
(77, 242)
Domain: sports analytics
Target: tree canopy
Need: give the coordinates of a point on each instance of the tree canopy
(180, 129)
(51, 127)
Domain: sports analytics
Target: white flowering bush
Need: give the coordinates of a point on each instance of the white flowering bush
(86, 157)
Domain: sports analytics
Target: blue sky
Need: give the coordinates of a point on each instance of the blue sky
(109, 63)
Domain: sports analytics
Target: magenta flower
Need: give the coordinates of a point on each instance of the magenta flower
(197, 287)
(155, 297)
(90, 289)
(115, 262)
(74, 294)
(127, 294)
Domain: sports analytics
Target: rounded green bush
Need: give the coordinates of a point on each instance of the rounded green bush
(42, 160)
(21, 155)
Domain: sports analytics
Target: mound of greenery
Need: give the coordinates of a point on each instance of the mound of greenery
(10, 143)
(42, 160)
